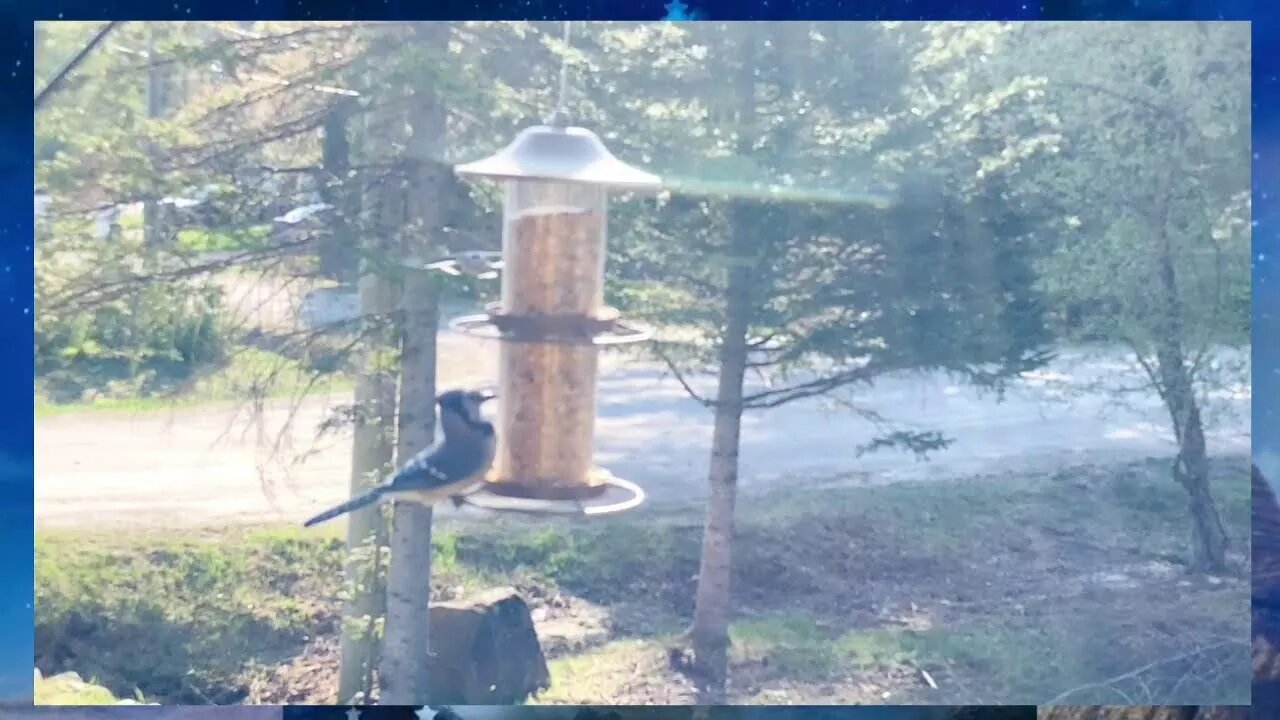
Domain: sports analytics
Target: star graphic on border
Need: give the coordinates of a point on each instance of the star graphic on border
(677, 11)
(353, 714)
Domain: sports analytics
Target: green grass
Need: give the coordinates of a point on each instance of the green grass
(249, 372)
(1136, 511)
(803, 646)
(184, 612)
(185, 615)
(592, 677)
(182, 615)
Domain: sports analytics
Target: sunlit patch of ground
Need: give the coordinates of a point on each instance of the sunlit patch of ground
(70, 689)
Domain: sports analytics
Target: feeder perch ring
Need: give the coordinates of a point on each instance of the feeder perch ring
(600, 333)
(632, 497)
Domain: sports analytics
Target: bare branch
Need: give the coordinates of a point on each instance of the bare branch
(773, 398)
(105, 291)
(60, 78)
(680, 378)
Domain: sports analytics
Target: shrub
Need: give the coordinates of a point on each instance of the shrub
(171, 331)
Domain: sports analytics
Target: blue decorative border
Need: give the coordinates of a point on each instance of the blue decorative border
(16, 124)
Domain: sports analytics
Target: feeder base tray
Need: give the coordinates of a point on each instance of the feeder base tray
(599, 485)
(489, 327)
(613, 495)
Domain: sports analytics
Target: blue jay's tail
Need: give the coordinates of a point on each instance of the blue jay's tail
(354, 503)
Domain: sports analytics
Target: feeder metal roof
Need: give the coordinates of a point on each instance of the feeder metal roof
(568, 154)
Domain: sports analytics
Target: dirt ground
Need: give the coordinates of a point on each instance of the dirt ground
(251, 464)
(613, 669)
(833, 607)
(1018, 615)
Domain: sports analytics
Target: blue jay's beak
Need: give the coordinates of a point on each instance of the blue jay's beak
(487, 396)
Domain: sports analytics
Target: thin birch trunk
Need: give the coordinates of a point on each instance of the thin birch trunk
(372, 445)
(404, 678)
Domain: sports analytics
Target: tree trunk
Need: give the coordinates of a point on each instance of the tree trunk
(710, 631)
(157, 95)
(336, 254)
(375, 404)
(1191, 470)
(1177, 388)
(404, 677)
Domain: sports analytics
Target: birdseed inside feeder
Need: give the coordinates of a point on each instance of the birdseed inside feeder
(552, 319)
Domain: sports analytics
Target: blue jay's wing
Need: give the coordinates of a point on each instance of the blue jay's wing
(440, 467)
(452, 467)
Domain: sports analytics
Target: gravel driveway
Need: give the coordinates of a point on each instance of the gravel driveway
(217, 465)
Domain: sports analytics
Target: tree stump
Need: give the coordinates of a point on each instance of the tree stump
(485, 651)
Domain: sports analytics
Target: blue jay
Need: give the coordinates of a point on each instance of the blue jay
(451, 468)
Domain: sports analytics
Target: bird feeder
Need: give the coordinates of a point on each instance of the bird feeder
(552, 320)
